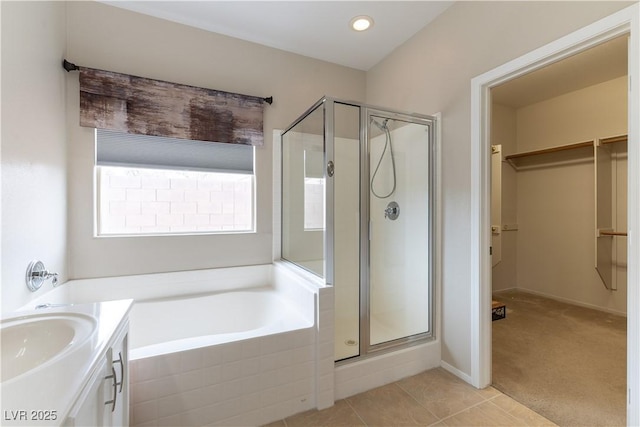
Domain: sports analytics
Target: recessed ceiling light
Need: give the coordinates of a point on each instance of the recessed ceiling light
(361, 23)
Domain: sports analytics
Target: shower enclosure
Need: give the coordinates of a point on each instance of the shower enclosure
(358, 210)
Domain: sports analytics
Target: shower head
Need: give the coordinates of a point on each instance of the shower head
(383, 127)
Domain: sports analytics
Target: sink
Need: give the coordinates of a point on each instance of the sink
(32, 341)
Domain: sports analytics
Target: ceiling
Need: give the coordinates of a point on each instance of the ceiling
(320, 29)
(317, 29)
(596, 65)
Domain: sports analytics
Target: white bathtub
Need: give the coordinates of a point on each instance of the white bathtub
(181, 323)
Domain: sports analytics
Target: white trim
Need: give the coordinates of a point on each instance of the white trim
(624, 21)
(277, 195)
(455, 371)
(633, 223)
(437, 262)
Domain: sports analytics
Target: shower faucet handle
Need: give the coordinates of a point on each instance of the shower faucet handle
(392, 211)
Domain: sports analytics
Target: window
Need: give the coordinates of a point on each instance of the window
(313, 188)
(153, 185)
(314, 203)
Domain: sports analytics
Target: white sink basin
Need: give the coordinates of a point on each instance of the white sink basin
(32, 341)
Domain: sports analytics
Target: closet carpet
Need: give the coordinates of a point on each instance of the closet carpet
(565, 362)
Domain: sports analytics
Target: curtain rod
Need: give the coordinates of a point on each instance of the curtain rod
(70, 66)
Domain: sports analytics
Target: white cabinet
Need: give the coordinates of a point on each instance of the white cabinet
(117, 359)
(105, 399)
(90, 409)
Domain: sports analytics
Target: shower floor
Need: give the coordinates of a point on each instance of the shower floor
(384, 327)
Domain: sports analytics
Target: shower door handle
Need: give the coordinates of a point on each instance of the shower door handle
(330, 169)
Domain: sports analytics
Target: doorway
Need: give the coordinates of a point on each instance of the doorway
(623, 22)
(561, 350)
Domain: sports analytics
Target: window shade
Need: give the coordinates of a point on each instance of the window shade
(123, 149)
(313, 164)
(138, 105)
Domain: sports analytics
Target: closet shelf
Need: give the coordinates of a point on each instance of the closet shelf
(613, 139)
(517, 160)
(613, 233)
(549, 150)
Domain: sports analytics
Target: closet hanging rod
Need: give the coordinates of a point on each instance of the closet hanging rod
(550, 150)
(613, 233)
(613, 139)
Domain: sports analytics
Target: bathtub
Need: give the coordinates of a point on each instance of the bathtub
(243, 356)
(181, 323)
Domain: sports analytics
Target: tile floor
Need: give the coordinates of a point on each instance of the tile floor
(432, 398)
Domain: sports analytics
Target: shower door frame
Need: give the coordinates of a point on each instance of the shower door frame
(366, 349)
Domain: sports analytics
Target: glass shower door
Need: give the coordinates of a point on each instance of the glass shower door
(303, 192)
(400, 229)
(346, 230)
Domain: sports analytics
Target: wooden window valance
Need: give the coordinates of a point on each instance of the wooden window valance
(138, 105)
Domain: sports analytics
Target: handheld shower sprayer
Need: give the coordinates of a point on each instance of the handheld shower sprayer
(383, 127)
(387, 143)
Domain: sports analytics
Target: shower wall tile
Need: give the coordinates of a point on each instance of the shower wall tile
(375, 372)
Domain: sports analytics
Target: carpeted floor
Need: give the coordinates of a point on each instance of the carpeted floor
(565, 362)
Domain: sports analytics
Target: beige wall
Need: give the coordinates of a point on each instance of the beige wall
(106, 37)
(34, 177)
(431, 73)
(556, 204)
(594, 112)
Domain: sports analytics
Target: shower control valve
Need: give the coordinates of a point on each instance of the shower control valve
(392, 211)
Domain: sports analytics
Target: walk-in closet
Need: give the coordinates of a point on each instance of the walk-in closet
(558, 214)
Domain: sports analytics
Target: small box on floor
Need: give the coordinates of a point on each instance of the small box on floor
(498, 310)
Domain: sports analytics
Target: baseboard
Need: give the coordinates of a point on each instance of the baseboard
(504, 290)
(572, 302)
(457, 372)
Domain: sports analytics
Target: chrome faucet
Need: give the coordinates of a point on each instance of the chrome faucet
(37, 274)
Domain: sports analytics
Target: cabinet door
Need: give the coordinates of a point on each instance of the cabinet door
(91, 409)
(118, 357)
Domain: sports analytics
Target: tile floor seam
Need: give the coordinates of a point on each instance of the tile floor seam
(355, 412)
(508, 413)
(470, 407)
(418, 402)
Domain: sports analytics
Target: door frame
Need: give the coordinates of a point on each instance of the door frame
(626, 21)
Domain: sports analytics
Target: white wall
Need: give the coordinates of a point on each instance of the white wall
(34, 177)
(431, 73)
(556, 205)
(503, 132)
(109, 38)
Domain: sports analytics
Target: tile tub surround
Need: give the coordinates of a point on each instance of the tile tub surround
(248, 382)
(435, 397)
